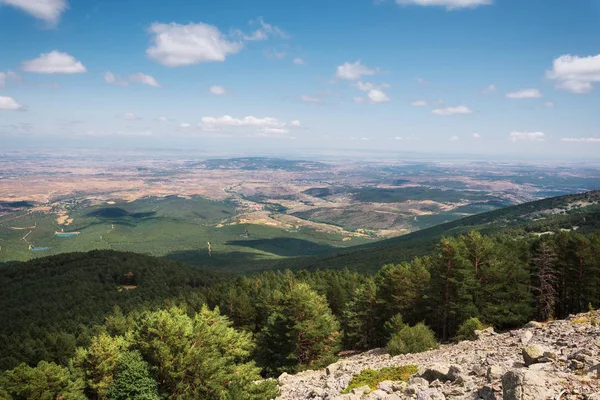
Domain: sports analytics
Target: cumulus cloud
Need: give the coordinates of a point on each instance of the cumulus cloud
(299, 61)
(305, 98)
(581, 140)
(144, 79)
(8, 103)
(218, 90)
(476, 136)
(354, 71)
(113, 79)
(489, 89)
(575, 74)
(130, 116)
(54, 62)
(138, 77)
(454, 138)
(527, 136)
(176, 45)
(448, 4)
(419, 103)
(377, 96)
(47, 10)
(164, 119)
(264, 126)
(263, 32)
(525, 94)
(184, 125)
(452, 110)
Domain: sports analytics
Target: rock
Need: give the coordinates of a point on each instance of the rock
(416, 384)
(393, 396)
(437, 371)
(316, 392)
(377, 395)
(532, 354)
(386, 386)
(455, 374)
(361, 390)
(489, 331)
(494, 373)
(534, 324)
(479, 370)
(486, 393)
(331, 369)
(525, 337)
(431, 394)
(524, 385)
(283, 378)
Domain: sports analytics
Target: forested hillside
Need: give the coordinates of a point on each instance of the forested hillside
(102, 324)
(580, 212)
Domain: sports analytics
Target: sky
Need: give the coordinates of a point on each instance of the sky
(484, 77)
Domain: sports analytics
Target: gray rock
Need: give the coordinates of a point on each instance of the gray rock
(534, 324)
(331, 369)
(525, 337)
(494, 373)
(431, 394)
(361, 390)
(377, 395)
(415, 385)
(437, 371)
(532, 354)
(386, 386)
(524, 385)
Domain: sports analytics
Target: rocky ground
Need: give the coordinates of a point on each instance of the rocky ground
(556, 360)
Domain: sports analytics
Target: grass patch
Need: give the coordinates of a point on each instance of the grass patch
(372, 378)
(580, 320)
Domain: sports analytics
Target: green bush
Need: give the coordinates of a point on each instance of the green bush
(467, 329)
(412, 339)
(371, 378)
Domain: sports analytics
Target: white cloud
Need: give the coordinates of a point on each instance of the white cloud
(549, 104)
(130, 116)
(262, 33)
(476, 136)
(354, 71)
(113, 79)
(310, 99)
(364, 86)
(575, 74)
(489, 89)
(47, 10)
(299, 61)
(218, 90)
(448, 4)
(8, 103)
(584, 140)
(454, 138)
(452, 110)
(378, 96)
(54, 63)
(419, 103)
(144, 79)
(176, 45)
(265, 126)
(422, 81)
(184, 125)
(527, 136)
(525, 94)
(164, 119)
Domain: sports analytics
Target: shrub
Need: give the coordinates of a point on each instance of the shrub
(412, 339)
(466, 331)
(371, 378)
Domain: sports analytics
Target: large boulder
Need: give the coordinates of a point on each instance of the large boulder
(431, 394)
(535, 353)
(524, 384)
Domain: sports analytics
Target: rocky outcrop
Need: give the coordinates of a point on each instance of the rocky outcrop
(556, 360)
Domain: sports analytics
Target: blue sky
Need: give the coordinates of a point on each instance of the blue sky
(454, 76)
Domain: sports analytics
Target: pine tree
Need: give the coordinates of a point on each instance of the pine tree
(360, 320)
(47, 381)
(301, 332)
(547, 281)
(133, 380)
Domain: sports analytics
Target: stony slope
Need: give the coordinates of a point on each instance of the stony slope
(557, 360)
